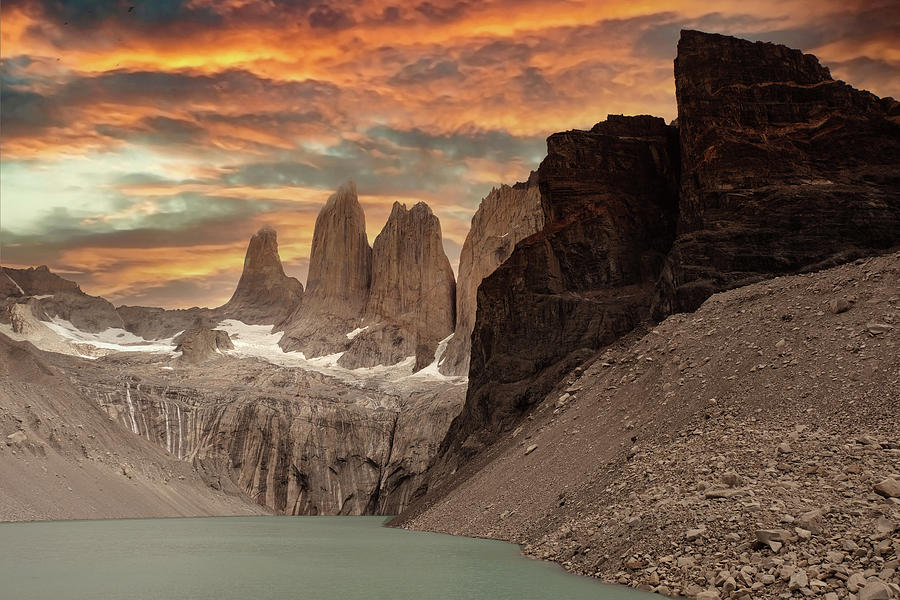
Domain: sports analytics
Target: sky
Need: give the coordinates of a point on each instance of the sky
(142, 142)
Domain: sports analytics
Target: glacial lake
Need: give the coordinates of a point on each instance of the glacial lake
(277, 558)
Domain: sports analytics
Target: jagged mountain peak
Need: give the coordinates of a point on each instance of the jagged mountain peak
(264, 293)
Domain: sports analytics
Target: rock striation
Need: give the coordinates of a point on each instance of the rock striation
(264, 294)
(609, 203)
(783, 168)
(411, 302)
(340, 273)
(505, 216)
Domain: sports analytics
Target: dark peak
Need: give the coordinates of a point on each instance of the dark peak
(266, 231)
(530, 182)
(721, 56)
(638, 125)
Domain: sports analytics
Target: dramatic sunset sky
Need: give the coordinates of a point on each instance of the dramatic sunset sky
(144, 141)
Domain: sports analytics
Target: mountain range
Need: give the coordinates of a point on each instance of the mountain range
(638, 373)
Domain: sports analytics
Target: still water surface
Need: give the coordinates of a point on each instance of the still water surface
(277, 558)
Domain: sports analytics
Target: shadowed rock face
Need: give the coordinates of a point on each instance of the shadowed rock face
(505, 216)
(264, 294)
(609, 200)
(411, 302)
(783, 168)
(340, 272)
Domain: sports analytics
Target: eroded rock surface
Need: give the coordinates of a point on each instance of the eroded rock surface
(411, 302)
(504, 217)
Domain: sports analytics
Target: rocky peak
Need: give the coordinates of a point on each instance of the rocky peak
(340, 272)
(411, 301)
(264, 294)
(200, 344)
(340, 263)
(505, 216)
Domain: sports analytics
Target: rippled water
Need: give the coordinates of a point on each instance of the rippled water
(260, 558)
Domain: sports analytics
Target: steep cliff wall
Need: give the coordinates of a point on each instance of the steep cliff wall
(505, 216)
(783, 168)
(340, 272)
(609, 200)
(411, 301)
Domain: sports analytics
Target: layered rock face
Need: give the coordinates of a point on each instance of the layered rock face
(411, 301)
(340, 272)
(609, 200)
(783, 168)
(505, 216)
(294, 441)
(264, 294)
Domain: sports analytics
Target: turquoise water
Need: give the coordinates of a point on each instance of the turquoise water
(261, 558)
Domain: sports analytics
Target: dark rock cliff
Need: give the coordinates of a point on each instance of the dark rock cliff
(773, 168)
(609, 204)
(783, 168)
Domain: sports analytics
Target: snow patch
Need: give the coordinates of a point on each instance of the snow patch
(18, 287)
(356, 332)
(114, 338)
(431, 371)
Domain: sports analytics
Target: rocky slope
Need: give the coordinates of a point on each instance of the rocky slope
(264, 294)
(61, 457)
(505, 216)
(783, 168)
(608, 198)
(411, 302)
(747, 450)
(340, 272)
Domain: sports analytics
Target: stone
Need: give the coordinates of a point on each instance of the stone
(889, 488)
(693, 534)
(875, 589)
(784, 448)
(798, 580)
(878, 328)
(855, 581)
(732, 479)
(530, 449)
(16, 438)
(813, 520)
(774, 538)
(708, 595)
(201, 344)
(838, 306)
(264, 294)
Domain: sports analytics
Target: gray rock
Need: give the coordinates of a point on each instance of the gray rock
(889, 488)
(875, 589)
